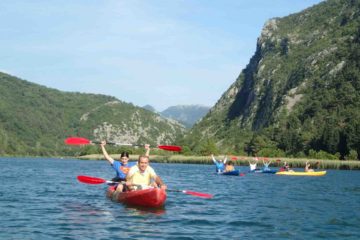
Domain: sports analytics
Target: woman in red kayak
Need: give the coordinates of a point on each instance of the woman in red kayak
(121, 167)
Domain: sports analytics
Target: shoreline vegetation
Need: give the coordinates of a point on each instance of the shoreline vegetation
(241, 161)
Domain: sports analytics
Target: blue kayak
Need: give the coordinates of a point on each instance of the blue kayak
(263, 171)
(231, 173)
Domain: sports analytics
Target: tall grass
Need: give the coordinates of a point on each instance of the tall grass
(243, 161)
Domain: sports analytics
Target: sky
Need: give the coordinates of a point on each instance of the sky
(146, 52)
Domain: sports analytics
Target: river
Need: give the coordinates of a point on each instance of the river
(40, 198)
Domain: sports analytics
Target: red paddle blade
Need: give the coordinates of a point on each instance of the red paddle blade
(77, 141)
(170, 148)
(90, 180)
(198, 194)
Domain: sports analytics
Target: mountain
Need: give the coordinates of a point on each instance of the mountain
(186, 114)
(35, 120)
(150, 108)
(299, 95)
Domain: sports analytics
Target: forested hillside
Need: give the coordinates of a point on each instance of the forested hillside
(35, 120)
(300, 93)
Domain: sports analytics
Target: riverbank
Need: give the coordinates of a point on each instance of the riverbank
(243, 161)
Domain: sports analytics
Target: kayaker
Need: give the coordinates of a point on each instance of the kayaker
(253, 163)
(142, 176)
(229, 166)
(307, 167)
(286, 167)
(219, 164)
(121, 167)
(266, 165)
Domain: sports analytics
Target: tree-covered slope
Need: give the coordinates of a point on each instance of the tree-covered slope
(35, 120)
(299, 94)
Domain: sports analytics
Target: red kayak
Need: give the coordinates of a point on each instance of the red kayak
(151, 197)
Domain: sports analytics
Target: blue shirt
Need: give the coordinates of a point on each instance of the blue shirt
(266, 167)
(220, 167)
(121, 169)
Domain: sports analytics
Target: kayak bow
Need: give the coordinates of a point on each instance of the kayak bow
(319, 173)
(151, 197)
(231, 173)
(264, 171)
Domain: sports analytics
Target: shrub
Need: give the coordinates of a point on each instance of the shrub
(321, 155)
(271, 152)
(352, 155)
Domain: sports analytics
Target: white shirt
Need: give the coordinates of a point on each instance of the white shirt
(252, 166)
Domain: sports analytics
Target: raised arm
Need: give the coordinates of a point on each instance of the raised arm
(147, 147)
(106, 155)
(160, 182)
(213, 158)
(225, 159)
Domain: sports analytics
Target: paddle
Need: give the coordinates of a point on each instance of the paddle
(197, 194)
(95, 180)
(84, 141)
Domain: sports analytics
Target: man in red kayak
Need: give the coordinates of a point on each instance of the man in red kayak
(142, 176)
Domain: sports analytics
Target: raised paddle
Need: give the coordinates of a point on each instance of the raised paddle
(84, 141)
(95, 180)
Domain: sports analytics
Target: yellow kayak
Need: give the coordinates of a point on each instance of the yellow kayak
(320, 173)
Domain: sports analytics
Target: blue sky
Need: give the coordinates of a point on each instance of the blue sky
(157, 52)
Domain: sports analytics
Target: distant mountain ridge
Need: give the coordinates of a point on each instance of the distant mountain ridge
(186, 114)
(150, 108)
(35, 120)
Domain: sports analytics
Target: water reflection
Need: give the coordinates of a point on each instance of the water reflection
(140, 211)
(85, 212)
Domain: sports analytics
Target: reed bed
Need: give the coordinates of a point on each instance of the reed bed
(243, 161)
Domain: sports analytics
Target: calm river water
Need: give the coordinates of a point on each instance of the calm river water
(41, 199)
